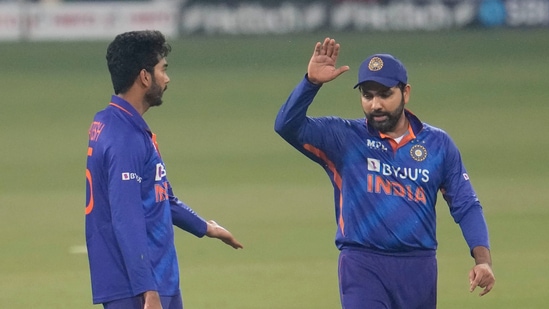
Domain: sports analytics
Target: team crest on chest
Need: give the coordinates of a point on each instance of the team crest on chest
(418, 153)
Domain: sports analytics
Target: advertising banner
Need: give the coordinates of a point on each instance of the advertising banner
(10, 21)
(85, 20)
(256, 17)
(92, 20)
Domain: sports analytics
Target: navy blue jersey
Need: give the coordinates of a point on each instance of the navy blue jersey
(384, 192)
(130, 209)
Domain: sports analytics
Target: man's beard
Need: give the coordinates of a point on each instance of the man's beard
(390, 123)
(154, 95)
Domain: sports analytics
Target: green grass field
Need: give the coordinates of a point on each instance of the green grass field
(486, 88)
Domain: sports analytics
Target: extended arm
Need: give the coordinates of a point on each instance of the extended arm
(467, 212)
(292, 117)
(185, 218)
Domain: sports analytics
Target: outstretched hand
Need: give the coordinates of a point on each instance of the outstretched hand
(322, 66)
(215, 230)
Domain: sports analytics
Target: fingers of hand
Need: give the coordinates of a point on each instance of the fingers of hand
(237, 245)
(474, 279)
(481, 277)
(231, 241)
(228, 238)
(335, 53)
(330, 47)
(318, 48)
(487, 289)
(342, 69)
(487, 285)
(473, 285)
(325, 45)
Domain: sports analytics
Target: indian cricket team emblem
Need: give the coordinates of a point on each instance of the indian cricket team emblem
(375, 64)
(418, 153)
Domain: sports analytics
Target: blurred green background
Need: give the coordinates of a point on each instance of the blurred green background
(486, 88)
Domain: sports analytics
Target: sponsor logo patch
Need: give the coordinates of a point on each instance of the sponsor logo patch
(414, 174)
(374, 165)
(131, 176)
(375, 145)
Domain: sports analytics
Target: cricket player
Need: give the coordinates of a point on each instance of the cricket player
(386, 170)
(130, 204)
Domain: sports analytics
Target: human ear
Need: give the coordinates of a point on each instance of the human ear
(144, 77)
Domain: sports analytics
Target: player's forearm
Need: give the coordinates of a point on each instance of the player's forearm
(186, 219)
(293, 113)
(482, 255)
(474, 228)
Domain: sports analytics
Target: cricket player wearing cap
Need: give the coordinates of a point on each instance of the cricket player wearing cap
(386, 170)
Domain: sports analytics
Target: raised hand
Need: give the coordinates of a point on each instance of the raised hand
(322, 66)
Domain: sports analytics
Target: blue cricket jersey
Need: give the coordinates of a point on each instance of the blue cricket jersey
(130, 209)
(385, 193)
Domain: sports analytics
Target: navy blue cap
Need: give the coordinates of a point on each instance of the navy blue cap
(384, 69)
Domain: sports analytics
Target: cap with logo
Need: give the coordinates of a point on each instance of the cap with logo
(384, 69)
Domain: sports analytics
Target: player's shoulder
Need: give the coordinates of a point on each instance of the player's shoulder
(114, 126)
(437, 135)
(431, 129)
(336, 120)
(341, 124)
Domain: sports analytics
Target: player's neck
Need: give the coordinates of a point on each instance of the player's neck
(136, 101)
(400, 129)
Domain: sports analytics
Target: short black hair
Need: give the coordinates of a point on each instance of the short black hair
(131, 52)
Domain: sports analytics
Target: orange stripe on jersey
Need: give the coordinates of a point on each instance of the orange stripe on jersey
(153, 136)
(120, 107)
(337, 179)
(90, 151)
(91, 203)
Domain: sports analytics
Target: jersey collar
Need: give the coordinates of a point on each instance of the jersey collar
(129, 111)
(415, 126)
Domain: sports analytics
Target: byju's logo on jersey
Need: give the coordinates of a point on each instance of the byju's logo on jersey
(377, 145)
(414, 174)
(160, 172)
(131, 176)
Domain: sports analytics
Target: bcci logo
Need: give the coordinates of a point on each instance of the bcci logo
(375, 64)
(418, 153)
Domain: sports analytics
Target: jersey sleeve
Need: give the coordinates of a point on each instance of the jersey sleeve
(292, 115)
(184, 217)
(309, 135)
(464, 204)
(128, 219)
